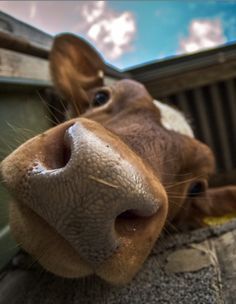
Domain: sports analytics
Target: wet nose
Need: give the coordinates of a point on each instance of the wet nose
(84, 181)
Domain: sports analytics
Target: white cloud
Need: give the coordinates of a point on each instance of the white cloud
(203, 34)
(112, 32)
(93, 11)
(113, 35)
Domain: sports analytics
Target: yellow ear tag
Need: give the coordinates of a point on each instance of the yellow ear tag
(219, 220)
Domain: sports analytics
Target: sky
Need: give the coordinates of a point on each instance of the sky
(130, 33)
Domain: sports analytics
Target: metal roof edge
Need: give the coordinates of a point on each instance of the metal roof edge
(182, 63)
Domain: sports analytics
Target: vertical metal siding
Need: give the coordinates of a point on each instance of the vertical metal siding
(211, 109)
(230, 87)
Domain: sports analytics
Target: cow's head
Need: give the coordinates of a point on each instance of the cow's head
(93, 194)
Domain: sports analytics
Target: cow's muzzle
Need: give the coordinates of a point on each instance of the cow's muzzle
(85, 182)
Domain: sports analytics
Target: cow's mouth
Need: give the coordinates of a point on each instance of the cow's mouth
(137, 235)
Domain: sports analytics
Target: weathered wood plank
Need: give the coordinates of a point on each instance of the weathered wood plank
(19, 44)
(162, 86)
(17, 65)
(13, 64)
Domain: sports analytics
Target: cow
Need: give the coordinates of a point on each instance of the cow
(93, 194)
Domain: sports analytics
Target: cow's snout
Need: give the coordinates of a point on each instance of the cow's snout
(88, 185)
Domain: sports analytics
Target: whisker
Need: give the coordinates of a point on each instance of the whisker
(173, 227)
(168, 233)
(3, 153)
(76, 106)
(176, 175)
(21, 136)
(35, 261)
(167, 186)
(101, 181)
(48, 108)
(50, 120)
(184, 207)
(63, 104)
(53, 107)
(7, 145)
(198, 197)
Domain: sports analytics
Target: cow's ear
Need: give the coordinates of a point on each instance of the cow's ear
(75, 67)
(212, 206)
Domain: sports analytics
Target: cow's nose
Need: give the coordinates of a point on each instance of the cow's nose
(87, 183)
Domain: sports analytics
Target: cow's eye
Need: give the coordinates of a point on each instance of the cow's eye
(196, 188)
(100, 98)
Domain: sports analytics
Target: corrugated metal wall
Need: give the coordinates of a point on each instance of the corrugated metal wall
(211, 109)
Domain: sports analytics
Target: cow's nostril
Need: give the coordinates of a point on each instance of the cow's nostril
(128, 214)
(131, 221)
(57, 151)
(60, 156)
(65, 154)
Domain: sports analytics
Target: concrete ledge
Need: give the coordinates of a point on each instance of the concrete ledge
(197, 267)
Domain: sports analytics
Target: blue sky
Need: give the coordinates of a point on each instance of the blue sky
(162, 24)
(128, 33)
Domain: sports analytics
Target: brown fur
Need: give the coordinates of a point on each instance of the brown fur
(131, 124)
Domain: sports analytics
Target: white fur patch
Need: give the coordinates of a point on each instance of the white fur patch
(172, 119)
